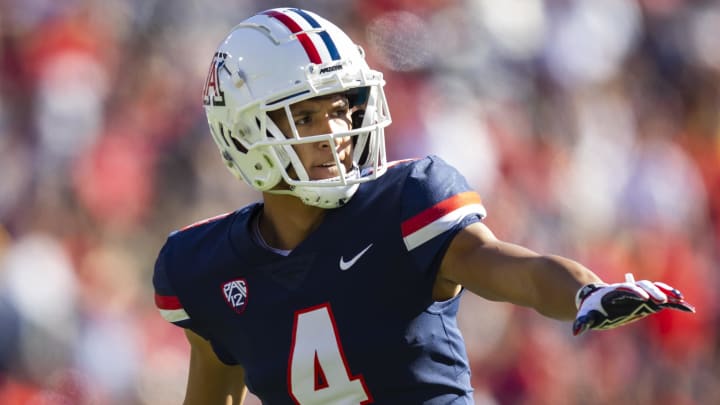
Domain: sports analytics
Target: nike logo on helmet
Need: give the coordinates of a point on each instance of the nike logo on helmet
(344, 265)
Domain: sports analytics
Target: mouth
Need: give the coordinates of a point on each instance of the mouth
(325, 170)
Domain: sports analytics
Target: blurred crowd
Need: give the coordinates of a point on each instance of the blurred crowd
(590, 128)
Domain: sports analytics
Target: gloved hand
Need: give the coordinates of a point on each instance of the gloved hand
(607, 306)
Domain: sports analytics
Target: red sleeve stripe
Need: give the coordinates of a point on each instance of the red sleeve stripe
(439, 210)
(170, 308)
(440, 218)
(167, 302)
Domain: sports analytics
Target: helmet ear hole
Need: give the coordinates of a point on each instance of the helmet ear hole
(227, 134)
(238, 145)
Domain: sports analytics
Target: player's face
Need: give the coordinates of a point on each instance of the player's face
(321, 115)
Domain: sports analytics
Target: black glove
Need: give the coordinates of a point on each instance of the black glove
(607, 306)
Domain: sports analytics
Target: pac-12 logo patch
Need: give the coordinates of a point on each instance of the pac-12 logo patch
(236, 294)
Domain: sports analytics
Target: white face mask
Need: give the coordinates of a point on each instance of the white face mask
(252, 74)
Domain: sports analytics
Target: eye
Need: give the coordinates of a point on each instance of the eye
(302, 120)
(341, 112)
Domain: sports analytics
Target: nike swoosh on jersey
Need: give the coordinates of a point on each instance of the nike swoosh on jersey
(344, 265)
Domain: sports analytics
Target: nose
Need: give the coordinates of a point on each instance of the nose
(331, 125)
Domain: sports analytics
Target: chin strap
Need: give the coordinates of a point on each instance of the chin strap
(323, 196)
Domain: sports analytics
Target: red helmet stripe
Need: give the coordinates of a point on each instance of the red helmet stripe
(306, 42)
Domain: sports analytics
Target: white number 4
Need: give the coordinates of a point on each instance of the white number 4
(319, 373)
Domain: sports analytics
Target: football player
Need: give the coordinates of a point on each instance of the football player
(342, 285)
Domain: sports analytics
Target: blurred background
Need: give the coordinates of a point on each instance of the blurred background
(590, 128)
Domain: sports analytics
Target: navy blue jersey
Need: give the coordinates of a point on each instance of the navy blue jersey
(348, 315)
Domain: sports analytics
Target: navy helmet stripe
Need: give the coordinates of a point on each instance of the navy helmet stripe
(287, 97)
(329, 43)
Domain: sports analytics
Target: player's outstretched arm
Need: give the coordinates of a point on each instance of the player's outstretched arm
(210, 381)
(553, 285)
(503, 271)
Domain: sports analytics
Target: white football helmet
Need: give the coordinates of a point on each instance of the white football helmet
(272, 60)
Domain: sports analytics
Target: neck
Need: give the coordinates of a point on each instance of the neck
(286, 221)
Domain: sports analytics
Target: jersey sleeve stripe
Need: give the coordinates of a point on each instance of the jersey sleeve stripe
(438, 210)
(442, 224)
(170, 308)
(167, 302)
(174, 315)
